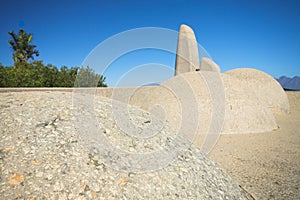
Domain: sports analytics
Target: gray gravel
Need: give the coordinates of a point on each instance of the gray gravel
(43, 155)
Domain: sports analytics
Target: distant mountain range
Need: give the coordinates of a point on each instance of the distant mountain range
(289, 83)
(151, 84)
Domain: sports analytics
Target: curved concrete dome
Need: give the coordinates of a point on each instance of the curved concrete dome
(244, 110)
(268, 91)
(245, 113)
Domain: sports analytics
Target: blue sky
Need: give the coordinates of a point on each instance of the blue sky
(236, 33)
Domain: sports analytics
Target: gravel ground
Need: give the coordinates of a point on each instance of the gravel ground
(44, 155)
(266, 164)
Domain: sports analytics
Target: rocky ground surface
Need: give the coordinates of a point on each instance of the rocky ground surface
(43, 155)
(266, 164)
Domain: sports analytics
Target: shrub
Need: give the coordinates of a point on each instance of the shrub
(36, 74)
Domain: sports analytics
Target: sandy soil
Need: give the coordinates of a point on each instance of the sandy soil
(266, 164)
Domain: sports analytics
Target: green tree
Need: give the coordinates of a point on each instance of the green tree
(64, 78)
(22, 47)
(2, 76)
(86, 77)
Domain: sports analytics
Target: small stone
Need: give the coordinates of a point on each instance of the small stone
(131, 149)
(34, 162)
(16, 179)
(39, 174)
(71, 196)
(49, 177)
(131, 174)
(122, 182)
(95, 187)
(89, 194)
(48, 126)
(7, 149)
(56, 188)
(26, 150)
(184, 170)
(94, 194)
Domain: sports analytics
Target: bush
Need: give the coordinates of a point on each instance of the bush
(87, 77)
(35, 74)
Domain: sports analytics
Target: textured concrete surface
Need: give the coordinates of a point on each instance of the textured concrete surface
(268, 91)
(187, 59)
(245, 112)
(43, 154)
(208, 65)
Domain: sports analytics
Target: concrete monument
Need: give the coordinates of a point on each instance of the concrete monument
(187, 59)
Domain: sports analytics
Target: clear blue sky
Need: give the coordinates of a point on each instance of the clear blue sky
(236, 33)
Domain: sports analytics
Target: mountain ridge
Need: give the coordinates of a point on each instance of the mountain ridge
(288, 83)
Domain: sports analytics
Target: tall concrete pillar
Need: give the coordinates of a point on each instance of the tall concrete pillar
(187, 58)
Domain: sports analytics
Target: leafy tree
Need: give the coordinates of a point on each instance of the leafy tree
(36, 74)
(66, 77)
(2, 75)
(87, 77)
(51, 73)
(22, 47)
